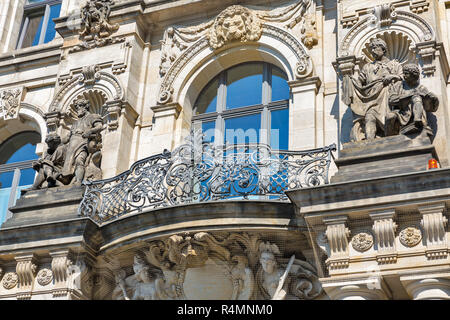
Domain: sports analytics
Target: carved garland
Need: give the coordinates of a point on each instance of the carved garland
(303, 67)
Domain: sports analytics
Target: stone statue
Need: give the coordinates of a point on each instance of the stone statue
(298, 280)
(50, 165)
(84, 138)
(409, 104)
(368, 95)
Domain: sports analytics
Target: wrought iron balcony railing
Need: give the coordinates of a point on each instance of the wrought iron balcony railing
(198, 172)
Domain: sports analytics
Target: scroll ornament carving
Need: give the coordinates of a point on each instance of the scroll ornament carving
(238, 23)
(10, 280)
(410, 236)
(70, 159)
(96, 27)
(10, 103)
(362, 241)
(44, 276)
(159, 272)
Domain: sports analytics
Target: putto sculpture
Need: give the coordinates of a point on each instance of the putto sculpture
(386, 98)
(76, 156)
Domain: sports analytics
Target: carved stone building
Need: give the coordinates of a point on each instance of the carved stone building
(283, 149)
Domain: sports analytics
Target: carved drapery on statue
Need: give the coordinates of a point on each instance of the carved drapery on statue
(96, 28)
(74, 157)
(378, 98)
(239, 265)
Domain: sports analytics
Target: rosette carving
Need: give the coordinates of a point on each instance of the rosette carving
(362, 241)
(10, 280)
(410, 236)
(44, 276)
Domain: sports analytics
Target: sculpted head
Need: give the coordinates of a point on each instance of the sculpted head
(141, 269)
(268, 262)
(378, 48)
(411, 73)
(81, 107)
(53, 141)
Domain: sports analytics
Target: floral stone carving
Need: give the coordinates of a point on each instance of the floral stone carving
(10, 280)
(96, 28)
(234, 23)
(10, 103)
(410, 236)
(362, 241)
(44, 276)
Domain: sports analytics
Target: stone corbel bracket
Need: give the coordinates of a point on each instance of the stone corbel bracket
(337, 234)
(434, 224)
(26, 269)
(302, 69)
(384, 228)
(90, 79)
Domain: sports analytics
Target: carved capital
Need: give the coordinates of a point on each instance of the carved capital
(113, 111)
(337, 234)
(345, 65)
(384, 228)
(433, 223)
(52, 119)
(427, 52)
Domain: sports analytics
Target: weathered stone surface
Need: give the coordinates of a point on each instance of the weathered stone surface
(383, 157)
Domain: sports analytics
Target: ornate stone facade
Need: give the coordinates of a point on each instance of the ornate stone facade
(129, 202)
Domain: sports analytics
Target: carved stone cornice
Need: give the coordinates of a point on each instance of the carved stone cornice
(384, 228)
(433, 223)
(337, 234)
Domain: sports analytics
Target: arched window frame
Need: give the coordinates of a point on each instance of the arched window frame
(222, 114)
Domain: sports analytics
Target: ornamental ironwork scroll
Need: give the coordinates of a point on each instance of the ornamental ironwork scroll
(200, 171)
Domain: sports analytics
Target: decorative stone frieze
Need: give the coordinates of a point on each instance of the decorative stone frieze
(362, 241)
(410, 236)
(337, 234)
(10, 103)
(384, 228)
(44, 276)
(174, 268)
(434, 224)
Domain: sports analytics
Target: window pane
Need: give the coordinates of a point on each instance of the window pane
(33, 32)
(207, 100)
(243, 129)
(208, 128)
(6, 179)
(280, 87)
(27, 152)
(27, 177)
(54, 13)
(279, 129)
(244, 85)
(35, 1)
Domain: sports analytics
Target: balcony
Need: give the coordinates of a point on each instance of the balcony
(199, 171)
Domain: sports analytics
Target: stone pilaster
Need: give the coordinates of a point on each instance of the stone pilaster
(384, 228)
(164, 126)
(337, 234)
(433, 223)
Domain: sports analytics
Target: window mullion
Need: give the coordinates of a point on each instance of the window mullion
(222, 93)
(44, 24)
(24, 31)
(266, 87)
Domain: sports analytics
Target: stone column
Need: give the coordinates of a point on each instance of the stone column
(11, 14)
(302, 113)
(384, 228)
(164, 127)
(434, 223)
(337, 234)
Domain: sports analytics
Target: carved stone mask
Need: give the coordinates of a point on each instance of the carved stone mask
(234, 27)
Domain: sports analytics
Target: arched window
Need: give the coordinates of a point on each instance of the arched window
(16, 173)
(247, 103)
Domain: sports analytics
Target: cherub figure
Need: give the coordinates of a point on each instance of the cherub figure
(50, 165)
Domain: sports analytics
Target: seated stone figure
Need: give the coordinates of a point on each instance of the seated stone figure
(50, 165)
(409, 103)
